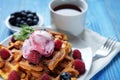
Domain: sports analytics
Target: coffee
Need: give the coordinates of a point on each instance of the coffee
(67, 9)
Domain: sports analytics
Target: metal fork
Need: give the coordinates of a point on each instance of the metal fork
(105, 49)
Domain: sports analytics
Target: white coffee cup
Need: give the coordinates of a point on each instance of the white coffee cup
(68, 19)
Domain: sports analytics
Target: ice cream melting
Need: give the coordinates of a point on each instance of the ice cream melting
(40, 41)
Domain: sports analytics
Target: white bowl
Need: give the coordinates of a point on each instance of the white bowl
(15, 29)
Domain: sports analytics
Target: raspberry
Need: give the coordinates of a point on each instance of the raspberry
(58, 44)
(4, 53)
(13, 39)
(14, 75)
(79, 66)
(34, 57)
(76, 54)
(45, 76)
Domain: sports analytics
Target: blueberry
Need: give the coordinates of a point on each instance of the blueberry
(36, 17)
(34, 14)
(22, 22)
(28, 12)
(23, 13)
(29, 21)
(35, 21)
(65, 76)
(24, 18)
(12, 16)
(17, 24)
(18, 19)
(12, 21)
(17, 14)
(29, 15)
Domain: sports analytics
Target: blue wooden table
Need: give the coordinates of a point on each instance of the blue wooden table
(103, 17)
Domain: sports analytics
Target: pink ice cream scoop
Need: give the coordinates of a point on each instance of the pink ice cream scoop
(40, 41)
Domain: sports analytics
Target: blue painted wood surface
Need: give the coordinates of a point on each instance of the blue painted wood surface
(103, 16)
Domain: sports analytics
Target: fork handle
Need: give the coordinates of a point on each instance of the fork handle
(96, 57)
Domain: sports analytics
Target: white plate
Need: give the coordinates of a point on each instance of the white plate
(15, 29)
(85, 52)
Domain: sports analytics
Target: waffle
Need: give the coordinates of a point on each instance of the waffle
(59, 62)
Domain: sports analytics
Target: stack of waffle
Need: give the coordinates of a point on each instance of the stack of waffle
(60, 61)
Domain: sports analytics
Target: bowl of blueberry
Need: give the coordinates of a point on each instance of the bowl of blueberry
(15, 21)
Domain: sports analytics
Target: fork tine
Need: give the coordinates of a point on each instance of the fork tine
(112, 44)
(109, 43)
(106, 44)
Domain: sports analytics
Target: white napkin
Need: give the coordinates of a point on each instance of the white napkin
(94, 40)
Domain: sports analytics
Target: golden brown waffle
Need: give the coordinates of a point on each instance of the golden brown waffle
(59, 62)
